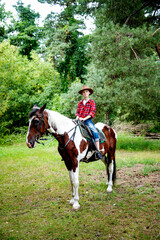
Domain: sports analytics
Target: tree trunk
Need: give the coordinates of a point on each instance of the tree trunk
(107, 118)
(158, 49)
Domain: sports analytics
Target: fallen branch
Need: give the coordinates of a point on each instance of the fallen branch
(155, 31)
(134, 53)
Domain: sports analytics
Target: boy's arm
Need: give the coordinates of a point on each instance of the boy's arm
(84, 119)
(78, 110)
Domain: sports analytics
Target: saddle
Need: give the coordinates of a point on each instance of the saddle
(86, 133)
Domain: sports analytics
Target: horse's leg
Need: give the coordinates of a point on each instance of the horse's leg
(106, 162)
(74, 184)
(111, 170)
(71, 180)
(110, 174)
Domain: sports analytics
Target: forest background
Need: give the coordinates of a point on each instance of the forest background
(120, 60)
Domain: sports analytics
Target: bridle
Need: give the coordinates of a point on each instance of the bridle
(42, 121)
(71, 138)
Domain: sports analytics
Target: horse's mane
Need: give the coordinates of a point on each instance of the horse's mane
(33, 112)
(57, 115)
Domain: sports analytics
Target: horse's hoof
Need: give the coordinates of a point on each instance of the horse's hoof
(71, 202)
(109, 189)
(76, 207)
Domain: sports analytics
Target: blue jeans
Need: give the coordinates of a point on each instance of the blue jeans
(93, 129)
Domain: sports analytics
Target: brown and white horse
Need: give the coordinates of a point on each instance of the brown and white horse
(73, 147)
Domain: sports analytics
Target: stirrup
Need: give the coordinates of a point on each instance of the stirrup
(84, 160)
(98, 155)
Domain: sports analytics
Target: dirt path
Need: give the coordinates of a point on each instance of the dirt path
(133, 177)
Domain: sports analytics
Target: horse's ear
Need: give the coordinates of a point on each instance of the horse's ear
(35, 106)
(42, 108)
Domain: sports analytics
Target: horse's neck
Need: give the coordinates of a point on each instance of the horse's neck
(59, 123)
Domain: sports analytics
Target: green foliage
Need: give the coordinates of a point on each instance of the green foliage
(15, 138)
(124, 75)
(23, 83)
(124, 72)
(66, 45)
(66, 103)
(2, 18)
(102, 95)
(133, 13)
(70, 100)
(25, 32)
(131, 79)
(3, 22)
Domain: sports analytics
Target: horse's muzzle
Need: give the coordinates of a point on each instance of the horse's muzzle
(31, 144)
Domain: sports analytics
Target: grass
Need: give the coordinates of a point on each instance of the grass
(35, 190)
(125, 141)
(136, 143)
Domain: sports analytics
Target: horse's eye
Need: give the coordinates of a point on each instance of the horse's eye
(36, 121)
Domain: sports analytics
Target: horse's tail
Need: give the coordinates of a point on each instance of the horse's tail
(114, 171)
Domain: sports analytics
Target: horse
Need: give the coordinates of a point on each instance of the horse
(72, 146)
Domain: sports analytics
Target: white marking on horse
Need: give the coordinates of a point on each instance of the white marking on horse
(28, 144)
(110, 183)
(115, 133)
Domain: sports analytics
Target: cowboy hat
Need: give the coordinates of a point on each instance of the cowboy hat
(86, 88)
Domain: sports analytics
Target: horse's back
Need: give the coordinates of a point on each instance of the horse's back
(109, 132)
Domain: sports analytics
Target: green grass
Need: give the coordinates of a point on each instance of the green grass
(136, 143)
(130, 158)
(35, 190)
(13, 138)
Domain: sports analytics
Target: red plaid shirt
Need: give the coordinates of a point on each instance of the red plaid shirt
(88, 109)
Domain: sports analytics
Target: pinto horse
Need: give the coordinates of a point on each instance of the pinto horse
(73, 147)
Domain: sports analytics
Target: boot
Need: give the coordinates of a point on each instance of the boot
(98, 155)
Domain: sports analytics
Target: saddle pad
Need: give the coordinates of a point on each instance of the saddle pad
(101, 136)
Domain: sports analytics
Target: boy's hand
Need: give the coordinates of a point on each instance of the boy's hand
(81, 119)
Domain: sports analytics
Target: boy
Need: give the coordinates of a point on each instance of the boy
(85, 112)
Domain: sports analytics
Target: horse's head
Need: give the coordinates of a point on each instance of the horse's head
(38, 124)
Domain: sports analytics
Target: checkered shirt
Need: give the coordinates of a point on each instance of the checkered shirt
(88, 109)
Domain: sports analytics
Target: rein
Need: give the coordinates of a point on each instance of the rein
(62, 148)
(73, 136)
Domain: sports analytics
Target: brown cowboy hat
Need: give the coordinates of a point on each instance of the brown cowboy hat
(86, 88)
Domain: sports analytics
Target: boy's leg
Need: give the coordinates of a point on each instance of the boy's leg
(97, 145)
(98, 154)
(90, 124)
(93, 129)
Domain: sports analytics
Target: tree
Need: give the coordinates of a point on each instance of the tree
(124, 74)
(66, 46)
(23, 83)
(131, 77)
(3, 19)
(132, 13)
(124, 71)
(24, 32)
